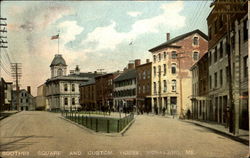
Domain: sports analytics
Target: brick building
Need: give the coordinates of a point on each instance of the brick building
(219, 48)
(88, 95)
(143, 98)
(171, 78)
(104, 91)
(5, 95)
(200, 107)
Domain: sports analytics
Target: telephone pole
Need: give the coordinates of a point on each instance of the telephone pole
(16, 74)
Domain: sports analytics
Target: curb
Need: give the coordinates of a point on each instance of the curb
(101, 133)
(8, 115)
(238, 139)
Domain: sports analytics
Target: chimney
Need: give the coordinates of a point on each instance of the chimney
(28, 89)
(77, 70)
(168, 36)
(137, 62)
(131, 66)
(147, 60)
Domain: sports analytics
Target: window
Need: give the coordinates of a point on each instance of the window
(221, 49)
(139, 89)
(215, 54)
(227, 73)
(159, 56)
(27, 100)
(210, 82)
(221, 77)
(195, 55)
(245, 66)
(73, 101)
(165, 55)
(21, 101)
(73, 87)
(173, 68)
(174, 55)
(245, 30)
(154, 87)
(215, 79)
(65, 87)
(148, 73)
(209, 33)
(173, 85)
(165, 69)
(65, 101)
(144, 74)
(154, 71)
(59, 72)
(159, 70)
(165, 86)
(195, 41)
(154, 58)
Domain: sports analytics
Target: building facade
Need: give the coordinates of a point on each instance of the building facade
(88, 95)
(26, 100)
(62, 90)
(219, 49)
(200, 100)
(143, 99)
(104, 91)
(5, 95)
(125, 90)
(171, 78)
(41, 97)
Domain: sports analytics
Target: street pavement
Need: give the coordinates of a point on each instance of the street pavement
(44, 134)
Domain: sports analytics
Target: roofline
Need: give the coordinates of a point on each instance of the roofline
(143, 64)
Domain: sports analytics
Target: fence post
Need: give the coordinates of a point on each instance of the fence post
(86, 121)
(118, 124)
(82, 119)
(90, 123)
(107, 125)
(96, 124)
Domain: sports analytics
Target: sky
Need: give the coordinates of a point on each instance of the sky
(93, 34)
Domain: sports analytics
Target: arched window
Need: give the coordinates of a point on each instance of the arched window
(154, 58)
(159, 69)
(73, 101)
(73, 87)
(173, 85)
(164, 55)
(159, 55)
(195, 55)
(165, 86)
(65, 87)
(174, 55)
(195, 41)
(65, 101)
(173, 68)
(59, 72)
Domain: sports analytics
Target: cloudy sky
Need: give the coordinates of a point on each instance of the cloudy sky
(93, 34)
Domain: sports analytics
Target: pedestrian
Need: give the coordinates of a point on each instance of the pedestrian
(163, 111)
(188, 114)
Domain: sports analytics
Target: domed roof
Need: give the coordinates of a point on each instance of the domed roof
(58, 60)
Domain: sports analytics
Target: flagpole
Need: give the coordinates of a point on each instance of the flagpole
(58, 41)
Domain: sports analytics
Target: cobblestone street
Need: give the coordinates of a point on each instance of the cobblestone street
(43, 134)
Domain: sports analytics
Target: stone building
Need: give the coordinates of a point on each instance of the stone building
(26, 100)
(5, 95)
(62, 90)
(125, 90)
(143, 77)
(88, 95)
(171, 78)
(219, 48)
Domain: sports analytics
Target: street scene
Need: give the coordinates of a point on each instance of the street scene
(124, 79)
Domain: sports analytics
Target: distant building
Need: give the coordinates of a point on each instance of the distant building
(144, 80)
(62, 90)
(125, 89)
(41, 97)
(200, 100)
(5, 95)
(171, 78)
(88, 95)
(104, 91)
(26, 100)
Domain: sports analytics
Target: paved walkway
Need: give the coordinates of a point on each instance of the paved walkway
(242, 137)
(44, 134)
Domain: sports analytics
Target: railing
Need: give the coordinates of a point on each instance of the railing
(99, 123)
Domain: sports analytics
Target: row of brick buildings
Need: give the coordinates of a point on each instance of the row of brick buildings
(211, 74)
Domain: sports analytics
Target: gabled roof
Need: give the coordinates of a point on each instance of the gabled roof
(170, 42)
(129, 74)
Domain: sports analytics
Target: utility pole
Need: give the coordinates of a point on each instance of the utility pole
(230, 8)
(16, 74)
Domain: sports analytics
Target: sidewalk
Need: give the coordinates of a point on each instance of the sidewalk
(243, 136)
(5, 114)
